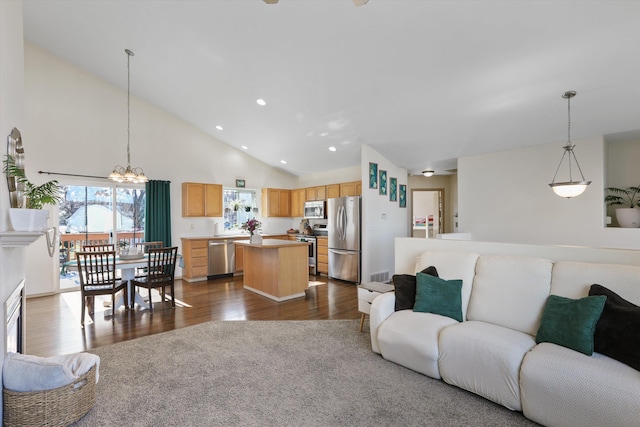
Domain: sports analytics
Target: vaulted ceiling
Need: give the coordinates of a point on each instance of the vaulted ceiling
(422, 82)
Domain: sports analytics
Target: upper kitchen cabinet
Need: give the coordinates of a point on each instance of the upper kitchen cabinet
(333, 191)
(351, 188)
(297, 202)
(201, 199)
(316, 193)
(276, 202)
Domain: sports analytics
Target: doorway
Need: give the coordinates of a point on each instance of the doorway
(428, 216)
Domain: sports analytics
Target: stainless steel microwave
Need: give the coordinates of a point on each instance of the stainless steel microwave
(315, 210)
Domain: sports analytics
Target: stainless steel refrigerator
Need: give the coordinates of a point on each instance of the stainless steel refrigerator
(343, 223)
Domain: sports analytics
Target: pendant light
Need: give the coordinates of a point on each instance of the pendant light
(128, 174)
(569, 188)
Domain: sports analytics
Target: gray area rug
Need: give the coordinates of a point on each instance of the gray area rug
(274, 373)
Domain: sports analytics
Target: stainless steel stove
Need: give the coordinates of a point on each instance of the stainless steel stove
(313, 251)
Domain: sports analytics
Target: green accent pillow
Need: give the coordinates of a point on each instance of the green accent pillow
(438, 296)
(570, 322)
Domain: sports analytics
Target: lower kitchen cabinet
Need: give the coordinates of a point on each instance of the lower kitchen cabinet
(323, 255)
(196, 261)
(239, 258)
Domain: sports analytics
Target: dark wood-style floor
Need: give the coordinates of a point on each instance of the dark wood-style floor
(53, 322)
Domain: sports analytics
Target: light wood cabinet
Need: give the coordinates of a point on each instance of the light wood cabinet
(276, 202)
(200, 199)
(298, 197)
(195, 256)
(333, 191)
(351, 188)
(316, 193)
(239, 257)
(323, 255)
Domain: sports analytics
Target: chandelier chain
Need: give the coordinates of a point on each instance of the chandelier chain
(128, 109)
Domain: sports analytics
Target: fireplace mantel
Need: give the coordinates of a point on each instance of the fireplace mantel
(12, 239)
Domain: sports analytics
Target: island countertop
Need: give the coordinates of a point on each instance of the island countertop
(276, 269)
(271, 243)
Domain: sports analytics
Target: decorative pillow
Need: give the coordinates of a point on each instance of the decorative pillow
(438, 296)
(570, 322)
(618, 330)
(405, 287)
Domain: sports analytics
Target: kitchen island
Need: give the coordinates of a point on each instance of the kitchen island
(276, 269)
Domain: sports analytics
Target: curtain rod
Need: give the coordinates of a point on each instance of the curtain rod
(73, 174)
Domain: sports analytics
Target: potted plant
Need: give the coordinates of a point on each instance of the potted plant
(30, 215)
(627, 216)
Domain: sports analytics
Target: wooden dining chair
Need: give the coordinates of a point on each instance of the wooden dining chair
(144, 247)
(103, 247)
(161, 268)
(97, 273)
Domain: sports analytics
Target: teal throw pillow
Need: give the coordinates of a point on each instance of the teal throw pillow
(570, 322)
(438, 296)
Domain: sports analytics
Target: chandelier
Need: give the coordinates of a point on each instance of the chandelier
(569, 188)
(128, 174)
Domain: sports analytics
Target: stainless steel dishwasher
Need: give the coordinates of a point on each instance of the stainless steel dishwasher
(222, 258)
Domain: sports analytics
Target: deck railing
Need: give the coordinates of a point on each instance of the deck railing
(70, 243)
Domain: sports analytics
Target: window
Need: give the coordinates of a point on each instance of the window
(239, 207)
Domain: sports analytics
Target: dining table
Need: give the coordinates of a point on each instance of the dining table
(127, 266)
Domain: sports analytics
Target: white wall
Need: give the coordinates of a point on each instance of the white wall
(505, 197)
(332, 177)
(382, 220)
(76, 123)
(12, 266)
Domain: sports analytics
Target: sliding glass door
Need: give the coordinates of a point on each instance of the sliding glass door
(93, 214)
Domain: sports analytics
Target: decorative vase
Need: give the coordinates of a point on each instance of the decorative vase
(28, 219)
(255, 238)
(628, 217)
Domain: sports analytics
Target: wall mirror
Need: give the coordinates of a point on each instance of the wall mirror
(15, 150)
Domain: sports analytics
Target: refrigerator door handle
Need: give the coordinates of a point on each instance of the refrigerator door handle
(340, 252)
(343, 223)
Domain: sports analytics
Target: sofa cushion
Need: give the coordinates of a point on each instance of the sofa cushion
(570, 322)
(562, 387)
(411, 339)
(510, 291)
(484, 359)
(438, 296)
(405, 288)
(452, 265)
(618, 330)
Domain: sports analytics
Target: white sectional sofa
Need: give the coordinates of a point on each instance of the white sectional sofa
(493, 351)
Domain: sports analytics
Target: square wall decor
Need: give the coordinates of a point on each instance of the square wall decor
(403, 196)
(383, 183)
(373, 175)
(393, 189)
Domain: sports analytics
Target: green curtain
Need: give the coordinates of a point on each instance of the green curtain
(158, 212)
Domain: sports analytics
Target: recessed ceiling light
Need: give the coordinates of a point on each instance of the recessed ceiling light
(244, 147)
(284, 162)
(324, 134)
(219, 127)
(261, 102)
(332, 148)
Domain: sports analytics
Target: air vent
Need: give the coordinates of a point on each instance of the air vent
(382, 277)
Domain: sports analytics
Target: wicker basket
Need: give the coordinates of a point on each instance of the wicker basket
(58, 407)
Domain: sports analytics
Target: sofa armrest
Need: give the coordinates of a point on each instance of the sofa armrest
(382, 307)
